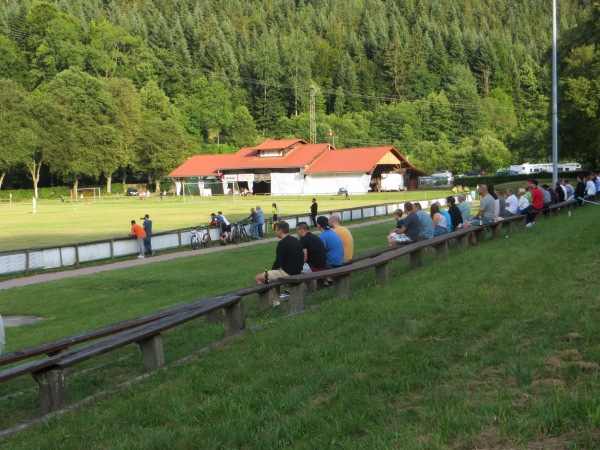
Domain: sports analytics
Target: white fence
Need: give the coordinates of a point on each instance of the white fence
(44, 258)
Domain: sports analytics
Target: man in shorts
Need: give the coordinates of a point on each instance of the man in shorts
(410, 230)
(289, 257)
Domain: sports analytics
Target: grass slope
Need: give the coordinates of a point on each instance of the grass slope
(496, 346)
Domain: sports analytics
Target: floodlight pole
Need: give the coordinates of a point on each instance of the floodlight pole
(554, 98)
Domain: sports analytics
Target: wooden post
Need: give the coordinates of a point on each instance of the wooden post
(310, 286)
(53, 390)
(382, 274)
(461, 242)
(496, 230)
(297, 298)
(441, 249)
(416, 259)
(266, 298)
(152, 352)
(236, 321)
(215, 316)
(342, 286)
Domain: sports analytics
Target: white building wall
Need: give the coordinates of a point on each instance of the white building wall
(313, 184)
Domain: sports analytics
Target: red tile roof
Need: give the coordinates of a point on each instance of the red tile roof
(297, 158)
(354, 160)
(201, 166)
(277, 144)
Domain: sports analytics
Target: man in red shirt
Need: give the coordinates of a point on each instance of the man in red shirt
(138, 232)
(537, 201)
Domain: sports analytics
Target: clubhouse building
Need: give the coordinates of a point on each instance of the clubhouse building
(295, 167)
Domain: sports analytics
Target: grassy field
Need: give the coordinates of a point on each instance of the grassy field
(493, 347)
(58, 223)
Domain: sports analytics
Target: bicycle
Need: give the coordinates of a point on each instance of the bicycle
(200, 237)
(239, 233)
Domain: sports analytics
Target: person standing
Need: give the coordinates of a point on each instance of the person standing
(314, 208)
(261, 222)
(275, 213)
(138, 232)
(148, 239)
(225, 228)
(253, 218)
(344, 234)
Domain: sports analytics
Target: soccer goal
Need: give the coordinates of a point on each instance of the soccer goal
(86, 194)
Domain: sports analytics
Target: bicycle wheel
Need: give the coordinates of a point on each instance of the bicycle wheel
(206, 240)
(236, 235)
(195, 242)
(244, 233)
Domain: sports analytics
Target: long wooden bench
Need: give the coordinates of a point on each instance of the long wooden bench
(49, 372)
(146, 331)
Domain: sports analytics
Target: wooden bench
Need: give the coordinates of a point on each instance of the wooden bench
(49, 372)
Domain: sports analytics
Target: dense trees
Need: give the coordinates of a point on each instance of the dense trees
(99, 87)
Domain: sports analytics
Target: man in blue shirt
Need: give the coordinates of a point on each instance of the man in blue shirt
(426, 222)
(334, 246)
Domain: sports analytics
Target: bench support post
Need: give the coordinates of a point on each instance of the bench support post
(215, 316)
(153, 355)
(382, 274)
(297, 298)
(265, 299)
(461, 242)
(236, 321)
(53, 390)
(441, 249)
(342, 286)
(496, 230)
(416, 259)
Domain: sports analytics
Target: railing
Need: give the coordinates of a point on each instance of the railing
(74, 254)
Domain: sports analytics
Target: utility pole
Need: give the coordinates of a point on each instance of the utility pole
(313, 116)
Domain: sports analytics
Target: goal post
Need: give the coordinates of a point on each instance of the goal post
(87, 194)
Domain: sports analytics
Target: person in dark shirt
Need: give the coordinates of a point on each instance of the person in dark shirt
(289, 257)
(314, 207)
(455, 215)
(315, 256)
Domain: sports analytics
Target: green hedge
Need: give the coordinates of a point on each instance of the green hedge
(494, 180)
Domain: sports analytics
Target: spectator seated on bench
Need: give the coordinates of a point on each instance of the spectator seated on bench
(409, 231)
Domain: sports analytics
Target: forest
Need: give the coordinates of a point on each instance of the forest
(101, 90)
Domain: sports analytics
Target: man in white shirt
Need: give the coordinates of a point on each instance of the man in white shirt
(569, 191)
(590, 187)
(511, 203)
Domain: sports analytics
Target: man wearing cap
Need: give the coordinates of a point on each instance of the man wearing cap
(537, 201)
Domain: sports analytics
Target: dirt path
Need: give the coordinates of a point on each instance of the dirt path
(44, 277)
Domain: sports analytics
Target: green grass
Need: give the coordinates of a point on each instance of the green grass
(56, 223)
(495, 346)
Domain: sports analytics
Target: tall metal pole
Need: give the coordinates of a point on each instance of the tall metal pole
(554, 99)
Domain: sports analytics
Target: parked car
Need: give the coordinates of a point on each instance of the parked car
(475, 173)
(442, 173)
(132, 192)
(506, 172)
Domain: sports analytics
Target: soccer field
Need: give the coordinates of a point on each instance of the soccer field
(61, 223)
